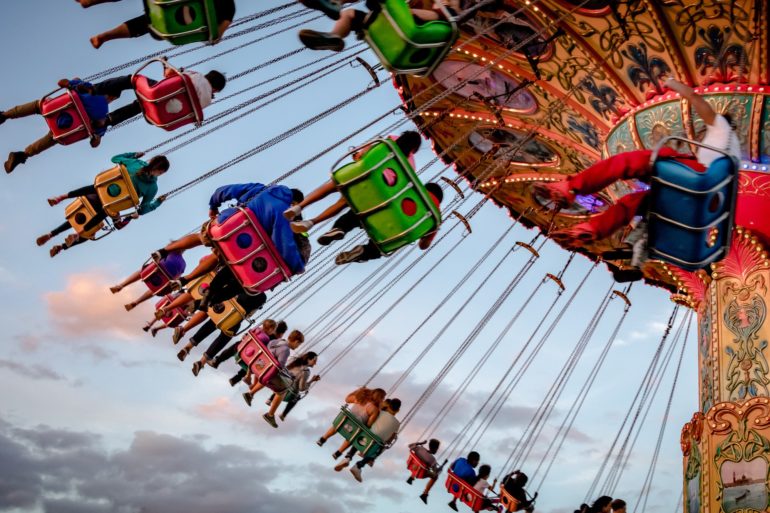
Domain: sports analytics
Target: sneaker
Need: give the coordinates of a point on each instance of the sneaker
(342, 464)
(320, 442)
(56, 200)
(347, 257)
(330, 236)
(43, 239)
(214, 363)
(424, 498)
(270, 420)
(182, 355)
(292, 212)
(2, 118)
(357, 474)
(175, 286)
(196, 368)
(177, 335)
(321, 40)
(453, 505)
(301, 226)
(234, 380)
(410, 480)
(558, 192)
(15, 158)
(55, 250)
(247, 397)
(336, 454)
(282, 417)
(160, 313)
(330, 8)
(269, 401)
(71, 239)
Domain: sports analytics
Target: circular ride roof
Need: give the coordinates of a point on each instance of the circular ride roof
(601, 65)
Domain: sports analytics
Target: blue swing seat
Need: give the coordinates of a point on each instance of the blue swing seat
(691, 214)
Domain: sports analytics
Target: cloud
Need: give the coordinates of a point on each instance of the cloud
(31, 371)
(86, 308)
(61, 471)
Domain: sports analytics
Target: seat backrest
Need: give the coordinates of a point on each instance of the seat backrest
(79, 212)
(66, 117)
(383, 189)
(183, 21)
(116, 190)
(169, 103)
(249, 251)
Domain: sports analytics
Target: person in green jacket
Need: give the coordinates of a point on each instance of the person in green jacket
(144, 177)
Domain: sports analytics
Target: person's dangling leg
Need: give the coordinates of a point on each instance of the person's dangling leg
(360, 253)
(53, 233)
(602, 225)
(331, 211)
(89, 3)
(132, 278)
(190, 241)
(203, 332)
(623, 166)
(350, 20)
(286, 409)
(223, 287)
(113, 87)
(16, 158)
(315, 195)
(124, 113)
(205, 266)
(134, 27)
(195, 320)
(345, 223)
(22, 111)
(147, 294)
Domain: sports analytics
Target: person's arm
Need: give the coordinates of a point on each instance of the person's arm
(373, 417)
(701, 106)
(227, 193)
(125, 158)
(149, 203)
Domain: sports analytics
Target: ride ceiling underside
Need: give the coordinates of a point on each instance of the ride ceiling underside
(601, 66)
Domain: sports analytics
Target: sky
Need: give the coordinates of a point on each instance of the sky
(99, 416)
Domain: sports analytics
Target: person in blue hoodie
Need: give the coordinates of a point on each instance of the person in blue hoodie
(144, 177)
(268, 202)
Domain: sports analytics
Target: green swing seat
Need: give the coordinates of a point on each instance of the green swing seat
(356, 432)
(381, 187)
(182, 22)
(402, 45)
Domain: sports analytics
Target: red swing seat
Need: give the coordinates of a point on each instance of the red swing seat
(461, 490)
(170, 103)
(155, 277)
(249, 252)
(173, 317)
(66, 117)
(256, 357)
(416, 466)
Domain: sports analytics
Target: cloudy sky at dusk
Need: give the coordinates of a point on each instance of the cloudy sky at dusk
(97, 416)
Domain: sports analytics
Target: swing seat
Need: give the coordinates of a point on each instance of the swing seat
(227, 316)
(155, 277)
(174, 317)
(199, 286)
(249, 252)
(383, 189)
(691, 214)
(79, 212)
(181, 22)
(461, 490)
(359, 436)
(404, 46)
(509, 503)
(254, 354)
(116, 191)
(416, 466)
(292, 395)
(170, 103)
(66, 117)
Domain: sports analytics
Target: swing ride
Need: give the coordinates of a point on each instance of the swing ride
(521, 93)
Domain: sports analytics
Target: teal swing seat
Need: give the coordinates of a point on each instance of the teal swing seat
(359, 436)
